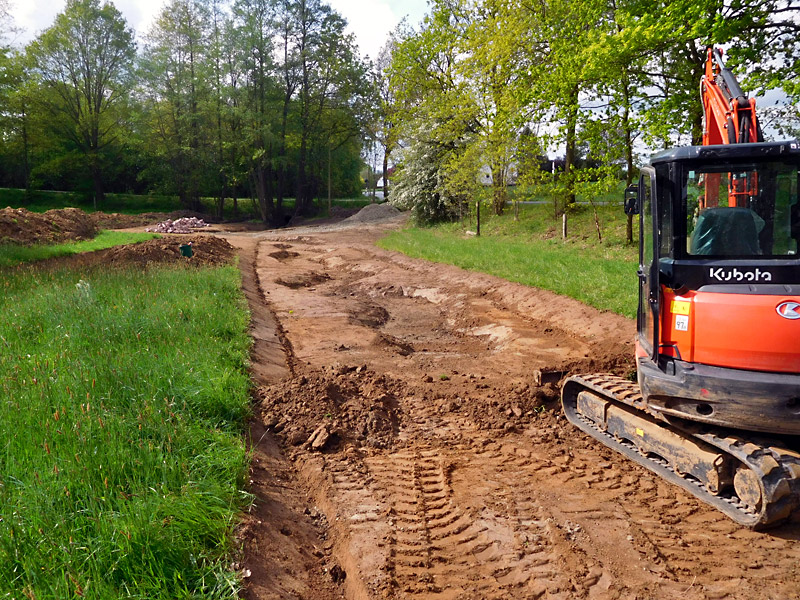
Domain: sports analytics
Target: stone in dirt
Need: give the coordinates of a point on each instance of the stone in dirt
(319, 438)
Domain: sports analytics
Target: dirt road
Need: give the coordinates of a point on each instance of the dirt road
(403, 450)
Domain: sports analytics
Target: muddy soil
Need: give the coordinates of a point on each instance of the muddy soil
(412, 455)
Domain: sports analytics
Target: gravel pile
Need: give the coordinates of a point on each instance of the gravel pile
(182, 225)
(373, 213)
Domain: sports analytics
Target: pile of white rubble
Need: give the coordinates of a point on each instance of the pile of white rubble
(182, 225)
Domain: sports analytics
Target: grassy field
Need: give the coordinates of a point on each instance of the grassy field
(13, 254)
(41, 201)
(123, 398)
(531, 251)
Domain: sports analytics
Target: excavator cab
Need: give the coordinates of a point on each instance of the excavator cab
(719, 275)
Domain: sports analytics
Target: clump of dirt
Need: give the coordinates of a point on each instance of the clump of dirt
(326, 410)
(284, 254)
(303, 280)
(374, 213)
(23, 227)
(370, 315)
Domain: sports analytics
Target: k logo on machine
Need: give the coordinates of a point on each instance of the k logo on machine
(789, 310)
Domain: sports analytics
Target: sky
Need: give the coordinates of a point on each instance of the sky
(370, 20)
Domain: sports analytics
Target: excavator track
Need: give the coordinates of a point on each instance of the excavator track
(754, 481)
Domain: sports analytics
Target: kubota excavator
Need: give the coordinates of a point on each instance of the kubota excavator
(717, 405)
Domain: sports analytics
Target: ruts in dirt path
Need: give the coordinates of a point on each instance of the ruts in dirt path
(403, 449)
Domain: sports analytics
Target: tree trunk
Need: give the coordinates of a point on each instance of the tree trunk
(386, 152)
(478, 218)
(571, 143)
(97, 179)
(499, 195)
(628, 150)
(26, 156)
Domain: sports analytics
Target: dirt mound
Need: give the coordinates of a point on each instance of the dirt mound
(207, 251)
(325, 409)
(20, 226)
(374, 213)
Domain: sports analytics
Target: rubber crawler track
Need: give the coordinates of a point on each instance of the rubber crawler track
(777, 467)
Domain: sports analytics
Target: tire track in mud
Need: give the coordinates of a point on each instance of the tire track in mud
(441, 549)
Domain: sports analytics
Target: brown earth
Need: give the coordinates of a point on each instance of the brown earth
(403, 450)
(20, 226)
(207, 250)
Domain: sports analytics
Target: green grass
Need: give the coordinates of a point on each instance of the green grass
(13, 254)
(531, 251)
(123, 398)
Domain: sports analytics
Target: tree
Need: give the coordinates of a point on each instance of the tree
(85, 59)
(177, 77)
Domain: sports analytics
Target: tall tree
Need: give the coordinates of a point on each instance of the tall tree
(85, 58)
(178, 79)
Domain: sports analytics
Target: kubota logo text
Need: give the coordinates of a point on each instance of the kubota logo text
(749, 276)
(789, 310)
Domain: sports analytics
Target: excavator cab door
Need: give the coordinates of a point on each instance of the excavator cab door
(649, 288)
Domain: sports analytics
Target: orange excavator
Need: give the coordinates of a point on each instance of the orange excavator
(716, 409)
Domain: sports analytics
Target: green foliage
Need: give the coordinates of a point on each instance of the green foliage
(85, 64)
(124, 399)
(530, 251)
(13, 254)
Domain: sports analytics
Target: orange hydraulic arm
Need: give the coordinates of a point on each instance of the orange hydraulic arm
(730, 118)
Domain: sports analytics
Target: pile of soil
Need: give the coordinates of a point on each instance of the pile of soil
(374, 213)
(20, 226)
(207, 250)
(325, 410)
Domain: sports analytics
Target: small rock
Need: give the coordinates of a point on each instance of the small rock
(296, 437)
(319, 438)
(517, 411)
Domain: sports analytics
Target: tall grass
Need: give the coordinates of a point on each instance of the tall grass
(123, 396)
(13, 254)
(530, 251)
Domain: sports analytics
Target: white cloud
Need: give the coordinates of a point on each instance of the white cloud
(372, 22)
(34, 16)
